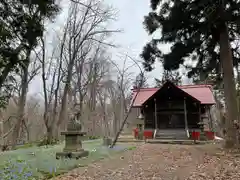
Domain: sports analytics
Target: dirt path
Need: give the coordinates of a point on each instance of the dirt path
(162, 162)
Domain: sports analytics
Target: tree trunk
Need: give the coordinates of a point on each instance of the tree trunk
(229, 87)
(115, 122)
(46, 103)
(238, 81)
(63, 111)
(50, 135)
(21, 104)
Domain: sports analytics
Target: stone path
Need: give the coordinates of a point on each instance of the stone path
(163, 162)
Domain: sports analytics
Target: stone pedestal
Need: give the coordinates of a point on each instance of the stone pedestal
(72, 155)
(73, 146)
(107, 141)
(73, 143)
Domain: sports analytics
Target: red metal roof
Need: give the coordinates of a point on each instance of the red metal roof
(203, 93)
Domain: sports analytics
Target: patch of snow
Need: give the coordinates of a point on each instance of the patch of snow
(155, 133)
(188, 135)
(218, 138)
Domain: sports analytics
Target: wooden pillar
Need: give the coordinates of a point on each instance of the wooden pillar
(185, 117)
(144, 118)
(155, 113)
(200, 113)
(210, 119)
(1, 133)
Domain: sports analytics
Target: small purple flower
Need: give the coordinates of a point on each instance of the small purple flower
(20, 169)
(28, 174)
(118, 148)
(14, 176)
(16, 170)
(53, 170)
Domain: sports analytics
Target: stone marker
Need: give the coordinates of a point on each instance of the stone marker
(107, 141)
(73, 144)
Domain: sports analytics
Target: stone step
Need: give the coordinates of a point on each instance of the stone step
(165, 137)
(129, 140)
(171, 134)
(173, 141)
(126, 136)
(171, 137)
(168, 135)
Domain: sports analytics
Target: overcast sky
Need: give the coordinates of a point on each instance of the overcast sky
(131, 40)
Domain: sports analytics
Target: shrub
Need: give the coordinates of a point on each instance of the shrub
(24, 146)
(93, 137)
(45, 141)
(17, 170)
(5, 147)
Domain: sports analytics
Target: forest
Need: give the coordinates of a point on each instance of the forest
(76, 76)
(64, 54)
(58, 63)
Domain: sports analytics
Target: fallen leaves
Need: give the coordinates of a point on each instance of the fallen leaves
(163, 162)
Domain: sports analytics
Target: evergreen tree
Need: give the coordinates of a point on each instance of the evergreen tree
(140, 81)
(173, 76)
(203, 31)
(21, 26)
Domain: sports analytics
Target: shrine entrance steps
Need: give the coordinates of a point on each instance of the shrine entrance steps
(171, 134)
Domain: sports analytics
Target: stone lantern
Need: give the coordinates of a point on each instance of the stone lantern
(73, 141)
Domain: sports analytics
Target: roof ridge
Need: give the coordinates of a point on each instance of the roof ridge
(195, 86)
(145, 89)
(181, 86)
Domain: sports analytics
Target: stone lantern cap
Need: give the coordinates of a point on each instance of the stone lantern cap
(74, 125)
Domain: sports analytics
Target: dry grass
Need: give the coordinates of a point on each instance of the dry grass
(164, 162)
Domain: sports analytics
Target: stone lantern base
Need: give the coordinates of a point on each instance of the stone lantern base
(72, 155)
(73, 146)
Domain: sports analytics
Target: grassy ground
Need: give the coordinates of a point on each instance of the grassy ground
(42, 163)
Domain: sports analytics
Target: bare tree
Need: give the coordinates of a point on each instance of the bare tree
(85, 23)
(128, 109)
(81, 80)
(52, 71)
(123, 84)
(73, 70)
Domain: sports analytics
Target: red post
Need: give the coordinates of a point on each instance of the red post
(148, 134)
(210, 135)
(195, 136)
(135, 131)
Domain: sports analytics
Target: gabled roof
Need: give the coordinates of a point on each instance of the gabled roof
(202, 92)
